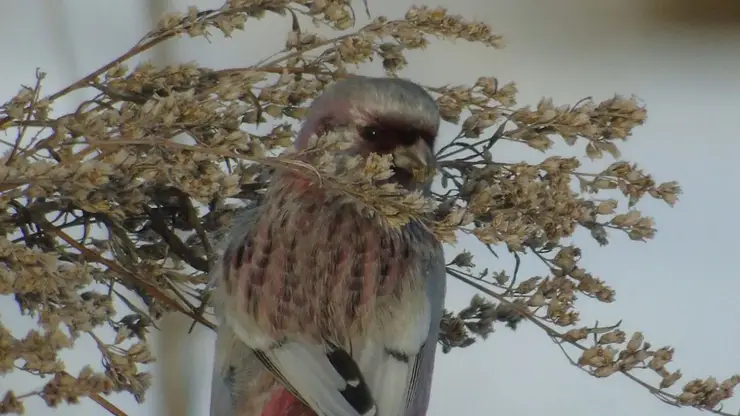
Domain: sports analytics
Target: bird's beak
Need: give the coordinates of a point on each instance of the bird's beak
(416, 159)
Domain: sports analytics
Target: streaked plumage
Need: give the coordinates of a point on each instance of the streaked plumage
(323, 308)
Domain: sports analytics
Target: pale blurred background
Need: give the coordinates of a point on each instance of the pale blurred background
(680, 57)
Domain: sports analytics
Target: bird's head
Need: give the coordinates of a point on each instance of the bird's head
(383, 116)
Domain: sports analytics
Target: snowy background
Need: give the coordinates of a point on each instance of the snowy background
(681, 59)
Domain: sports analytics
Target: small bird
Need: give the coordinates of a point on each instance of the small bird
(325, 310)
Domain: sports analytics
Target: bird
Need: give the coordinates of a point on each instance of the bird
(324, 310)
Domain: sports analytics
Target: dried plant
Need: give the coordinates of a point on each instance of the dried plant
(158, 161)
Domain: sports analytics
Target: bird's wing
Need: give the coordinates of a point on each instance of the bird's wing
(237, 371)
(398, 364)
(322, 375)
(223, 401)
(243, 386)
(325, 377)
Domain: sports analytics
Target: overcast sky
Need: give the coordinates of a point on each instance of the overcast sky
(680, 289)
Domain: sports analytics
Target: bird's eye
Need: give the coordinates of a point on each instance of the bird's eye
(370, 133)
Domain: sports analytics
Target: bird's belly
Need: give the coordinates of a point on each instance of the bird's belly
(315, 274)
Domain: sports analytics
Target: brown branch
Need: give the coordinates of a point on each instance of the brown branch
(105, 404)
(159, 225)
(150, 289)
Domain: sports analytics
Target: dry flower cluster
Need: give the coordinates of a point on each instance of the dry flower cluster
(161, 153)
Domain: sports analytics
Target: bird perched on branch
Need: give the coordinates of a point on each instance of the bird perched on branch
(326, 311)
